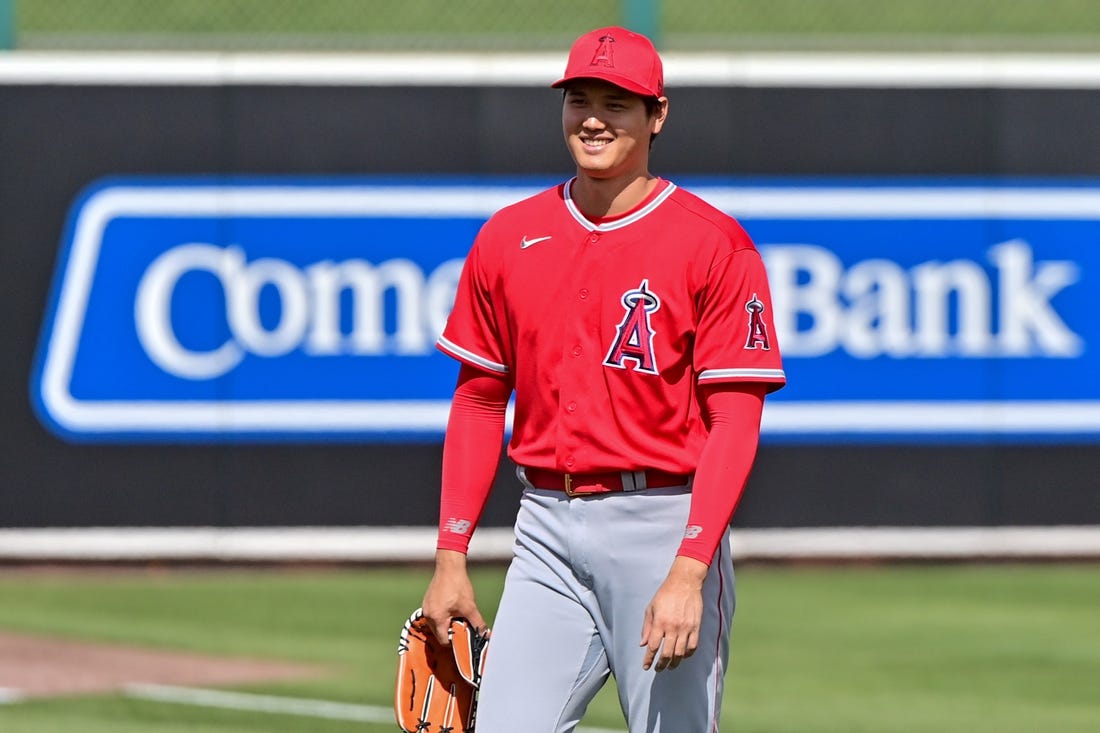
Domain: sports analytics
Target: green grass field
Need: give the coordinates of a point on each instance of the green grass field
(845, 649)
(522, 24)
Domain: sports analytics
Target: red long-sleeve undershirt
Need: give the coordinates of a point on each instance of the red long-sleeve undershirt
(471, 453)
(734, 417)
(475, 432)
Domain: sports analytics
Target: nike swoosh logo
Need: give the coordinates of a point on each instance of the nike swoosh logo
(525, 242)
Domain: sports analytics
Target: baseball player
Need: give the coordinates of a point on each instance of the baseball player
(633, 323)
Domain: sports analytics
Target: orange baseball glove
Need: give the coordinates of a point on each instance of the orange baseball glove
(436, 690)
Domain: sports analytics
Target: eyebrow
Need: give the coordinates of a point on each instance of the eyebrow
(614, 95)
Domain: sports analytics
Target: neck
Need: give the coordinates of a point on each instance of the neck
(600, 197)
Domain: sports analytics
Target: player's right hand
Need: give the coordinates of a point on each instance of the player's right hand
(450, 594)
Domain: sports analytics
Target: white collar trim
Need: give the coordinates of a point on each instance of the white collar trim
(618, 223)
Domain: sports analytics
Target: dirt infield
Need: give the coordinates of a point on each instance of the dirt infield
(39, 666)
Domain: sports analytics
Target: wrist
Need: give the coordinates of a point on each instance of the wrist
(689, 570)
(450, 559)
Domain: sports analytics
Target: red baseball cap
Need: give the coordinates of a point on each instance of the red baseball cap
(622, 57)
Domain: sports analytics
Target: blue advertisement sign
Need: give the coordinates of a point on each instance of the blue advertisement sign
(294, 309)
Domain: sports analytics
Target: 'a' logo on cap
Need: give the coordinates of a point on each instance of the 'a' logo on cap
(604, 56)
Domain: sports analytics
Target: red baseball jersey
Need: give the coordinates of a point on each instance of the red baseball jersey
(608, 327)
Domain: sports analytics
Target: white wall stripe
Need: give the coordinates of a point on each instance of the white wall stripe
(1014, 70)
(383, 544)
(919, 542)
(1050, 417)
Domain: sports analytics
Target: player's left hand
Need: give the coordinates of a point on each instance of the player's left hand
(670, 631)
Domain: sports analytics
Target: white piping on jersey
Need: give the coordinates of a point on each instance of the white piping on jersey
(618, 223)
(455, 350)
(743, 373)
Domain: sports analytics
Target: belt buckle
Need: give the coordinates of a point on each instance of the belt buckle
(570, 491)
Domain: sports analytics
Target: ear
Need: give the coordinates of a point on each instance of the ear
(660, 115)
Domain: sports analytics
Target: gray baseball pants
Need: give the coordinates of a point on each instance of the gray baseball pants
(583, 573)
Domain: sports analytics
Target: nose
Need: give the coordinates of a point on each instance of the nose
(592, 122)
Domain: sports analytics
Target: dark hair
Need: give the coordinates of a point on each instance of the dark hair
(652, 107)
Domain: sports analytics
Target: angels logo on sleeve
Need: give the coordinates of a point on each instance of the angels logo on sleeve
(634, 339)
(758, 330)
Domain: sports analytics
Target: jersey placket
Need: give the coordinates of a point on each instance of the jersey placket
(580, 353)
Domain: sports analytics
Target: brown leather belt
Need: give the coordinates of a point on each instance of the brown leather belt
(582, 484)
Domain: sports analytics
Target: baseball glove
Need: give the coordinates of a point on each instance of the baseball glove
(436, 690)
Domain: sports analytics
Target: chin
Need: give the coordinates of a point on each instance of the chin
(603, 171)
(594, 166)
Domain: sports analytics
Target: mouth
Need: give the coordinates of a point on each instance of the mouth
(594, 144)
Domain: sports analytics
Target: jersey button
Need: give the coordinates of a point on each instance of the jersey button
(584, 293)
(570, 461)
(593, 237)
(577, 351)
(572, 407)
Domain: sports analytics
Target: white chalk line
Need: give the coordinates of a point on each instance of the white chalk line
(277, 705)
(9, 696)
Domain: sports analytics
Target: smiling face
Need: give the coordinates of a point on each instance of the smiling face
(607, 129)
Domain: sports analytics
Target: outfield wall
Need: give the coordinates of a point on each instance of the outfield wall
(70, 123)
